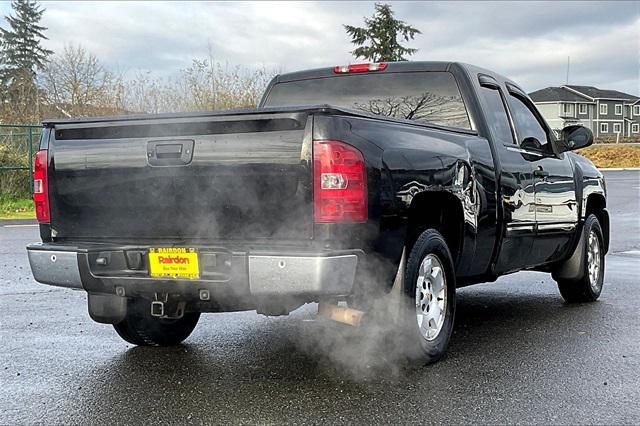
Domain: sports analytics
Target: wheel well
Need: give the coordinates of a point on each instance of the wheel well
(596, 204)
(438, 210)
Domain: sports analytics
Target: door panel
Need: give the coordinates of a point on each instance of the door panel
(556, 208)
(518, 203)
(516, 185)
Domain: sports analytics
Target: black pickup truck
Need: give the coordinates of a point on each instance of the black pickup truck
(345, 184)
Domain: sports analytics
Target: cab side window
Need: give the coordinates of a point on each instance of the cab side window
(497, 116)
(529, 130)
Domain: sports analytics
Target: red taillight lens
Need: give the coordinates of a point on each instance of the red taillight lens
(346, 69)
(340, 183)
(41, 187)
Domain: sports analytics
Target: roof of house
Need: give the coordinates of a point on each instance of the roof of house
(594, 92)
(573, 93)
(557, 94)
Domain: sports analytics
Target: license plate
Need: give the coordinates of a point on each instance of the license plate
(174, 262)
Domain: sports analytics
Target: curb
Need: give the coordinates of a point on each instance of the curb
(4, 222)
(619, 169)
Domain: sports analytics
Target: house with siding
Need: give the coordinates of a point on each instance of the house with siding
(607, 113)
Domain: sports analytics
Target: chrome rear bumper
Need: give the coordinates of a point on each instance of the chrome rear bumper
(285, 275)
(58, 268)
(259, 275)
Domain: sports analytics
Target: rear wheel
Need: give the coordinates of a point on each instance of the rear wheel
(430, 298)
(589, 286)
(141, 328)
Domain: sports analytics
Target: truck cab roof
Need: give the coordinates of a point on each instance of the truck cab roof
(404, 66)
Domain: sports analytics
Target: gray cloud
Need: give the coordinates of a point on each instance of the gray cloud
(527, 41)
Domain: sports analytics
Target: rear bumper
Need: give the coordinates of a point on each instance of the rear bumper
(229, 276)
(55, 267)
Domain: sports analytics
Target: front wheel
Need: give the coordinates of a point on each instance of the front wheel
(140, 328)
(589, 286)
(430, 298)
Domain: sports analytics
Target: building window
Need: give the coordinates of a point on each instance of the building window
(617, 128)
(604, 127)
(604, 109)
(582, 109)
(566, 109)
(636, 110)
(635, 128)
(618, 109)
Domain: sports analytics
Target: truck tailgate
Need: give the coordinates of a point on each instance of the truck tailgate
(244, 175)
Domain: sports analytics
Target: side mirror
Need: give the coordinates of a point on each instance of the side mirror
(574, 137)
(531, 144)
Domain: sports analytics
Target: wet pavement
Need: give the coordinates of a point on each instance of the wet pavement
(518, 355)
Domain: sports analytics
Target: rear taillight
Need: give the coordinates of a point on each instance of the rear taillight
(41, 187)
(346, 69)
(340, 183)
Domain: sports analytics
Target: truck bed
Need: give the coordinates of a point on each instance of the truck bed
(240, 174)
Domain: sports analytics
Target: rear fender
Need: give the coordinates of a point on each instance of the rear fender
(450, 181)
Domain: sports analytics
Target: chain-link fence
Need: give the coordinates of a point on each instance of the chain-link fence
(18, 145)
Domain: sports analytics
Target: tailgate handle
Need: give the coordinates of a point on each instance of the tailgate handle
(169, 152)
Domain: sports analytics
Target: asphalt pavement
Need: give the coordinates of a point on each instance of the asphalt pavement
(518, 355)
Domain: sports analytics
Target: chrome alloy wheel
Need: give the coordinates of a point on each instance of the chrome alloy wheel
(594, 261)
(431, 297)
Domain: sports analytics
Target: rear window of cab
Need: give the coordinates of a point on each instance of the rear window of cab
(427, 97)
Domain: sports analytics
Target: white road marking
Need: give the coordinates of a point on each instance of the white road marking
(20, 226)
(631, 252)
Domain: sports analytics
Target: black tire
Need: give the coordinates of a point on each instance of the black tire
(583, 290)
(142, 329)
(420, 347)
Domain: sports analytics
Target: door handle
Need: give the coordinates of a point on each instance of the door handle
(540, 172)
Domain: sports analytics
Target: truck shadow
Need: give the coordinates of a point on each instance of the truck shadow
(268, 369)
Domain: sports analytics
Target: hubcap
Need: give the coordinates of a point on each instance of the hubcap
(431, 297)
(594, 260)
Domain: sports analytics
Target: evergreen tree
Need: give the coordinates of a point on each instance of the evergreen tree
(21, 56)
(21, 49)
(381, 32)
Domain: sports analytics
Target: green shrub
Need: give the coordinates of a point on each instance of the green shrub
(14, 152)
(14, 208)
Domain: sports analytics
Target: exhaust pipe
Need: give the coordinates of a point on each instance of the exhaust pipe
(340, 314)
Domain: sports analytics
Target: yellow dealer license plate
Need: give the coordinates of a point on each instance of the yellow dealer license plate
(174, 262)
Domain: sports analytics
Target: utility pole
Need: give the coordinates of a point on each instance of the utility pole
(568, 65)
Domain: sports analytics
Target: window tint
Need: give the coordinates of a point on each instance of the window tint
(497, 115)
(527, 125)
(428, 97)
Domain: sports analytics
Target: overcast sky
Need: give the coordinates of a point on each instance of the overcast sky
(528, 42)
